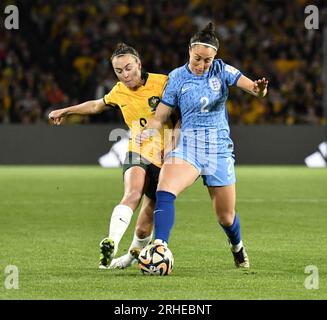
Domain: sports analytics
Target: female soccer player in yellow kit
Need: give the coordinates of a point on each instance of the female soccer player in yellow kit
(136, 94)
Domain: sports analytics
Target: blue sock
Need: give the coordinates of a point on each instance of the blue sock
(234, 231)
(164, 215)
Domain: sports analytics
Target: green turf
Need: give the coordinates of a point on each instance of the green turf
(52, 219)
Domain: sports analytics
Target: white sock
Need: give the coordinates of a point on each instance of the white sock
(120, 219)
(139, 243)
(237, 247)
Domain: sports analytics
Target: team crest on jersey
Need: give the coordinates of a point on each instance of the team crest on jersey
(215, 84)
(153, 102)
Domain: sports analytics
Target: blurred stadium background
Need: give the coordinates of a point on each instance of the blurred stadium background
(59, 57)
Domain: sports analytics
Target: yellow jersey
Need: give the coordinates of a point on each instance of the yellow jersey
(137, 107)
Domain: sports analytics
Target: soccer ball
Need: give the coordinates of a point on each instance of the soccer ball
(156, 259)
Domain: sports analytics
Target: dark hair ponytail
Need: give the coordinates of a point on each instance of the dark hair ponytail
(206, 35)
(122, 48)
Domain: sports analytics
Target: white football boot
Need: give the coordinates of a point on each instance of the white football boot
(126, 260)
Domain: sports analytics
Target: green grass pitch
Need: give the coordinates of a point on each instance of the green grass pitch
(53, 218)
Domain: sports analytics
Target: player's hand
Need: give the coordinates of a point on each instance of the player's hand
(145, 135)
(56, 116)
(260, 86)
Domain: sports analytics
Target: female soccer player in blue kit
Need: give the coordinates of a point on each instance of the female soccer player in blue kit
(200, 90)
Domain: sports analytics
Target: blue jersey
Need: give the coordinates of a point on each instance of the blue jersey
(202, 101)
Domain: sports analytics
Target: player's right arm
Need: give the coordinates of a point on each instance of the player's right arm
(160, 117)
(167, 104)
(85, 108)
(164, 108)
(153, 126)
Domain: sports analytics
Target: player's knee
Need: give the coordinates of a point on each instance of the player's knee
(132, 198)
(226, 218)
(166, 186)
(163, 186)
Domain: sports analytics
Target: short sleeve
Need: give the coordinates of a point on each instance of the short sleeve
(169, 96)
(231, 74)
(111, 99)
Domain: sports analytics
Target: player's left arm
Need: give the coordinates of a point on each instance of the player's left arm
(257, 88)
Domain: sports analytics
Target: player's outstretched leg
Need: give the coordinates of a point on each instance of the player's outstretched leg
(224, 203)
(164, 215)
(233, 233)
(120, 219)
(142, 234)
(133, 252)
(241, 258)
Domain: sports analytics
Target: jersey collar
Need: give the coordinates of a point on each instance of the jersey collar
(144, 76)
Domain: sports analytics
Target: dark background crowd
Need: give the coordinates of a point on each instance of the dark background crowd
(60, 54)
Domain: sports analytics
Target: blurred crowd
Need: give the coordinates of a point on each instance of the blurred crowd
(60, 54)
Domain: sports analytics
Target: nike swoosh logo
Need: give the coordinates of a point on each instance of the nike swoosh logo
(123, 105)
(185, 89)
(122, 220)
(157, 211)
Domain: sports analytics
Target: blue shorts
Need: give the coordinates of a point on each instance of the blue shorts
(216, 169)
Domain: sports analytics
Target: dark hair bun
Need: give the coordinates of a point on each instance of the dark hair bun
(210, 28)
(122, 48)
(206, 35)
